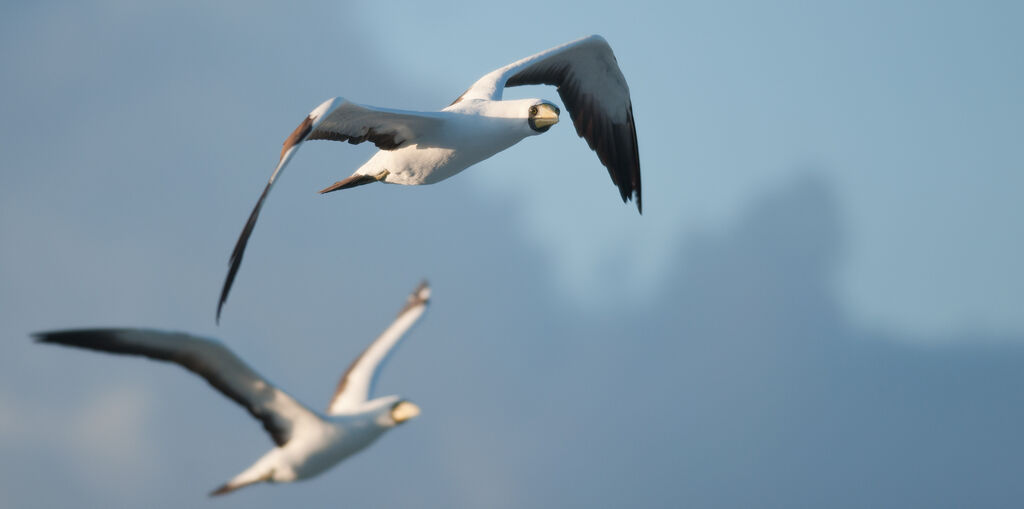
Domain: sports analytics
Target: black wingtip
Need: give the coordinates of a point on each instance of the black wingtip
(236, 255)
(629, 195)
(95, 339)
(65, 337)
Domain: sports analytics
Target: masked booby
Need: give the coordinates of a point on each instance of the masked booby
(307, 443)
(418, 148)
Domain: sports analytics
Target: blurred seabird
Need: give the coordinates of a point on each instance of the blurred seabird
(307, 443)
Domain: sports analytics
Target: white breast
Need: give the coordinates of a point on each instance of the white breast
(469, 139)
(315, 453)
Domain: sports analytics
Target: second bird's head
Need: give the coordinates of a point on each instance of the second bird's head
(402, 411)
(390, 411)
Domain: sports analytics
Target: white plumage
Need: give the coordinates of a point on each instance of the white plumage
(307, 443)
(419, 148)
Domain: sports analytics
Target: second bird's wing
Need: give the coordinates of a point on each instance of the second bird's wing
(356, 384)
(280, 414)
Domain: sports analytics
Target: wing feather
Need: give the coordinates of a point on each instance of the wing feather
(595, 92)
(340, 120)
(357, 383)
(280, 414)
(386, 128)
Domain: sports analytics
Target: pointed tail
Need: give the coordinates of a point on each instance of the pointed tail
(354, 181)
(240, 481)
(226, 488)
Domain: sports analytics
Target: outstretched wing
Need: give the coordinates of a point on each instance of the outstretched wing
(340, 120)
(280, 414)
(357, 383)
(594, 91)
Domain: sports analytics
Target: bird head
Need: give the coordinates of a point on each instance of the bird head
(542, 116)
(403, 410)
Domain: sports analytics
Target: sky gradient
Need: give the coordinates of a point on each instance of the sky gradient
(821, 305)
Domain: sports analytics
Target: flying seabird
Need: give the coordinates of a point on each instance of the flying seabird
(308, 443)
(418, 148)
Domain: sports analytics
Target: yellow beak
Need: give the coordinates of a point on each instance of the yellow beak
(547, 115)
(404, 411)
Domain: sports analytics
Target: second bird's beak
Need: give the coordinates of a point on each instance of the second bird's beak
(403, 411)
(547, 115)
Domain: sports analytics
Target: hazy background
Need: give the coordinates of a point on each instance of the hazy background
(820, 307)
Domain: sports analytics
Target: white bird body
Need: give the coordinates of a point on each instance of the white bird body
(307, 442)
(320, 446)
(469, 132)
(418, 147)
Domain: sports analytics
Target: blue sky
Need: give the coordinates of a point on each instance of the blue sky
(822, 295)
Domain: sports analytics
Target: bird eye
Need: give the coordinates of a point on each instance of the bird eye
(533, 110)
